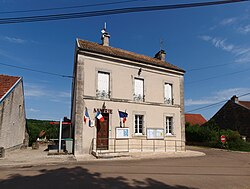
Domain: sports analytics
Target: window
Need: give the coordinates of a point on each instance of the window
(103, 85)
(139, 89)
(168, 96)
(139, 124)
(169, 125)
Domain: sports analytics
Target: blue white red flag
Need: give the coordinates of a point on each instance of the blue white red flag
(99, 116)
(86, 115)
(123, 116)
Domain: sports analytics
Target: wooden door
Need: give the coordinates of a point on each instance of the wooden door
(102, 139)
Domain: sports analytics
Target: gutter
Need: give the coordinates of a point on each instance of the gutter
(10, 90)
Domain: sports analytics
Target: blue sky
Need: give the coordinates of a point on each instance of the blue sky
(195, 38)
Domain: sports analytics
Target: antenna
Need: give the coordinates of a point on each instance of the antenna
(104, 29)
(161, 44)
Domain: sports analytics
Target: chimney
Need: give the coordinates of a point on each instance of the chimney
(235, 99)
(105, 36)
(161, 55)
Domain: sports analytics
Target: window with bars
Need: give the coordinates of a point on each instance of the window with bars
(168, 94)
(169, 125)
(138, 89)
(139, 124)
(103, 85)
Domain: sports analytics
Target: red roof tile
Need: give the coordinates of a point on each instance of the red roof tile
(195, 119)
(120, 53)
(6, 82)
(245, 104)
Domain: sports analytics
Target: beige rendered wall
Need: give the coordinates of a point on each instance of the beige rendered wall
(122, 89)
(12, 119)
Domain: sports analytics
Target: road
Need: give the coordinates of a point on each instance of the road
(218, 169)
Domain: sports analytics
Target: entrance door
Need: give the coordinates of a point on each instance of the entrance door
(102, 139)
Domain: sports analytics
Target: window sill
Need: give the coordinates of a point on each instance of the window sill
(170, 135)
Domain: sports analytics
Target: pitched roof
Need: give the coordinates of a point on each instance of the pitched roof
(246, 104)
(6, 82)
(120, 53)
(195, 119)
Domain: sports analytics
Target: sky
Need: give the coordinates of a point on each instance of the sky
(210, 43)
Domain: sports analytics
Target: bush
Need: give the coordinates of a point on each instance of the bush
(209, 135)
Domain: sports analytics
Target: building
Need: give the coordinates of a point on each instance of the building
(234, 115)
(12, 113)
(195, 119)
(148, 90)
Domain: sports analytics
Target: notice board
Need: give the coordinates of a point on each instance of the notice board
(122, 132)
(155, 133)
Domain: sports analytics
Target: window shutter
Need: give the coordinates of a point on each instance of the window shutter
(103, 82)
(139, 87)
(168, 91)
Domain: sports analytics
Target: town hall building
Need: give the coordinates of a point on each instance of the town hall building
(123, 101)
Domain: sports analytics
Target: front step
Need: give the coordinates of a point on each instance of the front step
(108, 155)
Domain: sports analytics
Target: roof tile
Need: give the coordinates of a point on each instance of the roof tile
(195, 119)
(120, 53)
(6, 82)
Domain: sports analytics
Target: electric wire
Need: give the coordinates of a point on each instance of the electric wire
(34, 70)
(214, 104)
(111, 12)
(69, 7)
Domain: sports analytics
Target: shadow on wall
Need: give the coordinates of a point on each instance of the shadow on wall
(78, 177)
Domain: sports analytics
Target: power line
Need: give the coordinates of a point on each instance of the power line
(69, 7)
(214, 104)
(34, 70)
(208, 67)
(218, 76)
(111, 12)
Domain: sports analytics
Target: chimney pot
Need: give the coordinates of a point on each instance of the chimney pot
(235, 99)
(161, 55)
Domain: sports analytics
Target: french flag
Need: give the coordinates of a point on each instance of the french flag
(86, 115)
(99, 116)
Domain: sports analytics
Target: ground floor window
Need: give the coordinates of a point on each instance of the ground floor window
(139, 124)
(169, 125)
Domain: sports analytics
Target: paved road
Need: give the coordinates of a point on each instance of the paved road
(218, 169)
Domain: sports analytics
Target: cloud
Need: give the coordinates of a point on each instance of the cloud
(228, 21)
(244, 29)
(241, 53)
(13, 39)
(31, 90)
(218, 96)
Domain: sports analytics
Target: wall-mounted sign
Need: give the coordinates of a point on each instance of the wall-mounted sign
(154, 133)
(121, 132)
(109, 111)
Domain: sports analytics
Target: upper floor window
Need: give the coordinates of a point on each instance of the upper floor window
(103, 85)
(139, 89)
(168, 93)
(169, 125)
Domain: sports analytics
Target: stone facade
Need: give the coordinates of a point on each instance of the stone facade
(122, 73)
(12, 118)
(235, 116)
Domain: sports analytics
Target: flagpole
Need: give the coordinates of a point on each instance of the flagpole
(60, 136)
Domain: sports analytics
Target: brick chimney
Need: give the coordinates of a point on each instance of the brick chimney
(161, 55)
(235, 99)
(105, 36)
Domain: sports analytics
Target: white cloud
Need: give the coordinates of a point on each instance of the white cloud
(242, 54)
(244, 29)
(31, 90)
(13, 39)
(228, 21)
(219, 96)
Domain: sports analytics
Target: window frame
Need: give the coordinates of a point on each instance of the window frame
(169, 127)
(169, 101)
(136, 97)
(137, 124)
(99, 93)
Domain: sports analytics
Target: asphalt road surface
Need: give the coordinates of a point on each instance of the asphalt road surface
(217, 170)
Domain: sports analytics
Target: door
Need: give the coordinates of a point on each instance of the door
(103, 133)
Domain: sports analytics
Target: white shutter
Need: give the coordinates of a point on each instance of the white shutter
(139, 87)
(103, 82)
(168, 91)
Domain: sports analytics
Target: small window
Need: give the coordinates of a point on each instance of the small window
(138, 89)
(169, 125)
(168, 93)
(103, 86)
(139, 124)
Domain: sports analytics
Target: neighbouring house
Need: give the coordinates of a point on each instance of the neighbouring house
(195, 119)
(13, 133)
(234, 115)
(123, 101)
